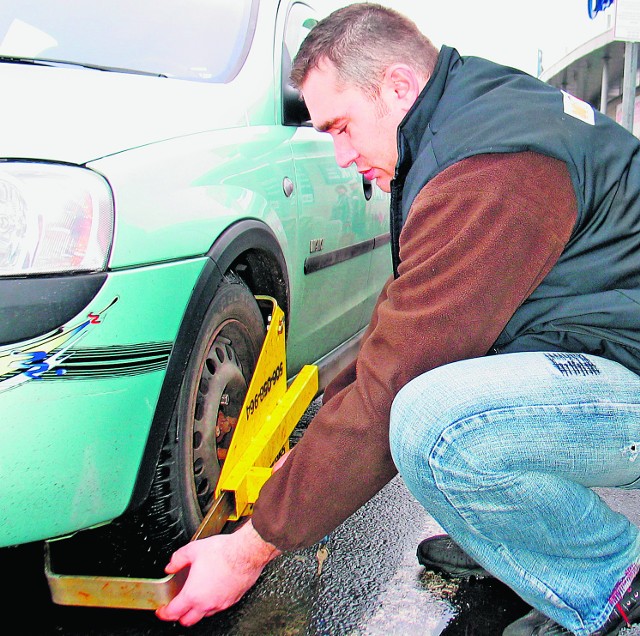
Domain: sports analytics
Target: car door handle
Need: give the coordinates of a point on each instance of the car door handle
(287, 187)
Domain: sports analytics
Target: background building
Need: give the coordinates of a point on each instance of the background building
(594, 70)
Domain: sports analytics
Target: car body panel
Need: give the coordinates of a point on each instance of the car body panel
(64, 125)
(213, 179)
(68, 468)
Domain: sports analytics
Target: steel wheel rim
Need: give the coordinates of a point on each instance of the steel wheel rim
(219, 398)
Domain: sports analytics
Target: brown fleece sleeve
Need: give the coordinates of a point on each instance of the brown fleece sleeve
(348, 375)
(479, 238)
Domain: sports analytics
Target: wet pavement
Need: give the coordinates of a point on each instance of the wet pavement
(371, 585)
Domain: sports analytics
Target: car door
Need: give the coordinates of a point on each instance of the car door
(339, 218)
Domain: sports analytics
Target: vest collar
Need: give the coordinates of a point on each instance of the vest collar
(416, 121)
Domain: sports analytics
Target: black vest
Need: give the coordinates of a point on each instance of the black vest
(590, 301)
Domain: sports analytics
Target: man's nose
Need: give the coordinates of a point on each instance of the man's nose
(346, 154)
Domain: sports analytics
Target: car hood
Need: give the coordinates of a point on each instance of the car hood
(77, 115)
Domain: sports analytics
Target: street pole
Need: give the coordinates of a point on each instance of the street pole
(629, 84)
(604, 90)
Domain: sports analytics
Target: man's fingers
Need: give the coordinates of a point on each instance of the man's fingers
(163, 613)
(184, 608)
(174, 609)
(192, 617)
(180, 559)
(186, 617)
(281, 461)
(221, 570)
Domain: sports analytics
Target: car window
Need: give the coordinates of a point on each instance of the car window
(201, 40)
(300, 20)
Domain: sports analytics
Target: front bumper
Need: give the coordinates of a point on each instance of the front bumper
(77, 400)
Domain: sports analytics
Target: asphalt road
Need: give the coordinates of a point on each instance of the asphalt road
(371, 585)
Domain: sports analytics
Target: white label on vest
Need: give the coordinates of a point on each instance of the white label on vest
(579, 109)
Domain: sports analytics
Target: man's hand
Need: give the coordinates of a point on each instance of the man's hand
(222, 569)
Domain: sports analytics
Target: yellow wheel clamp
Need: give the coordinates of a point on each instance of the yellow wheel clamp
(269, 414)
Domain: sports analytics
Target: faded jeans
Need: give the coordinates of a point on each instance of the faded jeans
(503, 452)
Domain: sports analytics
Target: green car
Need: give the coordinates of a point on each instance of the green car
(157, 172)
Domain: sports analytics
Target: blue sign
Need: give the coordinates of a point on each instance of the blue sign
(595, 6)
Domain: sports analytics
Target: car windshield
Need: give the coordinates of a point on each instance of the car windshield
(201, 40)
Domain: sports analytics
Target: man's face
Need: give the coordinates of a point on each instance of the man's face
(363, 130)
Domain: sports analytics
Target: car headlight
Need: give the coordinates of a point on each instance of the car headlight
(53, 218)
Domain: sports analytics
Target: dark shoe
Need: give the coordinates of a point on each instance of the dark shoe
(624, 614)
(443, 555)
(535, 623)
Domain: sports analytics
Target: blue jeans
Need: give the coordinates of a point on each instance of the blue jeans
(503, 452)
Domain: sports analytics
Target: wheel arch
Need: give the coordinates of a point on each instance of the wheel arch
(252, 251)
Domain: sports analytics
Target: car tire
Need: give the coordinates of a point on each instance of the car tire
(211, 395)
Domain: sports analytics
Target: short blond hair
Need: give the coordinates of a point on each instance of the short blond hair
(362, 40)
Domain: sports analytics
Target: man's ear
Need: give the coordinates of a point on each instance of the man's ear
(401, 86)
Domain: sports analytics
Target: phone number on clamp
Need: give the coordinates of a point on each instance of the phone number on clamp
(269, 383)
